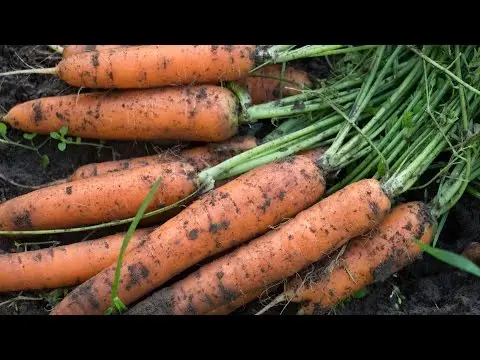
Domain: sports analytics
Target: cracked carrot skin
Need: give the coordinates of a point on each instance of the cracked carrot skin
(62, 266)
(70, 50)
(199, 157)
(91, 201)
(368, 259)
(266, 86)
(151, 66)
(205, 113)
(236, 212)
(278, 254)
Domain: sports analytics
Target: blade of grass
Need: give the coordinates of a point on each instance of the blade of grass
(451, 258)
(117, 304)
(441, 224)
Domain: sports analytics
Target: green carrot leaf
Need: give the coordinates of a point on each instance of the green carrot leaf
(29, 136)
(451, 258)
(45, 160)
(55, 135)
(62, 146)
(63, 131)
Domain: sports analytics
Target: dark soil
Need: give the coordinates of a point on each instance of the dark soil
(425, 287)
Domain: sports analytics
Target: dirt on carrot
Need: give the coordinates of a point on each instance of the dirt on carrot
(309, 236)
(427, 286)
(223, 218)
(197, 113)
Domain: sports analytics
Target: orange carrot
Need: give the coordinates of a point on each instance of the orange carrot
(152, 66)
(367, 259)
(373, 258)
(227, 216)
(312, 234)
(100, 199)
(199, 157)
(197, 113)
(265, 84)
(63, 265)
(70, 50)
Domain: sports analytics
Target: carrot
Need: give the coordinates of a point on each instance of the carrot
(70, 50)
(227, 216)
(242, 300)
(267, 84)
(202, 113)
(263, 85)
(199, 157)
(151, 66)
(367, 259)
(472, 252)
(312, 234)
(100, 199)
(63, 265)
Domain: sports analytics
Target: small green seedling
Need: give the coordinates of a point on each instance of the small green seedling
(27, 136)
(69, 140)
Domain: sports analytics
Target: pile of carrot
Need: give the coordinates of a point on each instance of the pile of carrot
(321, 190)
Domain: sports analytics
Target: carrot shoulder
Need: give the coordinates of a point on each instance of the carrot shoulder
(227, 216)
(63, 265)
(198, 113)
(150, 66)
(312, 234)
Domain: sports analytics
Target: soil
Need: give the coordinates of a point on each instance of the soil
(425, 287)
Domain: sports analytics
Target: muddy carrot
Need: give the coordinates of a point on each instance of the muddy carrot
(100, 199)
(227, 216)
(151, 66)
(204, 113)
(61, 266)
(310, 235)
(370, 258)
(199, 157)
(70, 50)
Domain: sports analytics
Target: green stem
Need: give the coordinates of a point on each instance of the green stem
(364, 95)
(287, 150)
(409, 81)
(304, 52)
(462, 91)
(446, 71)
(148, 199)
(9, 142)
